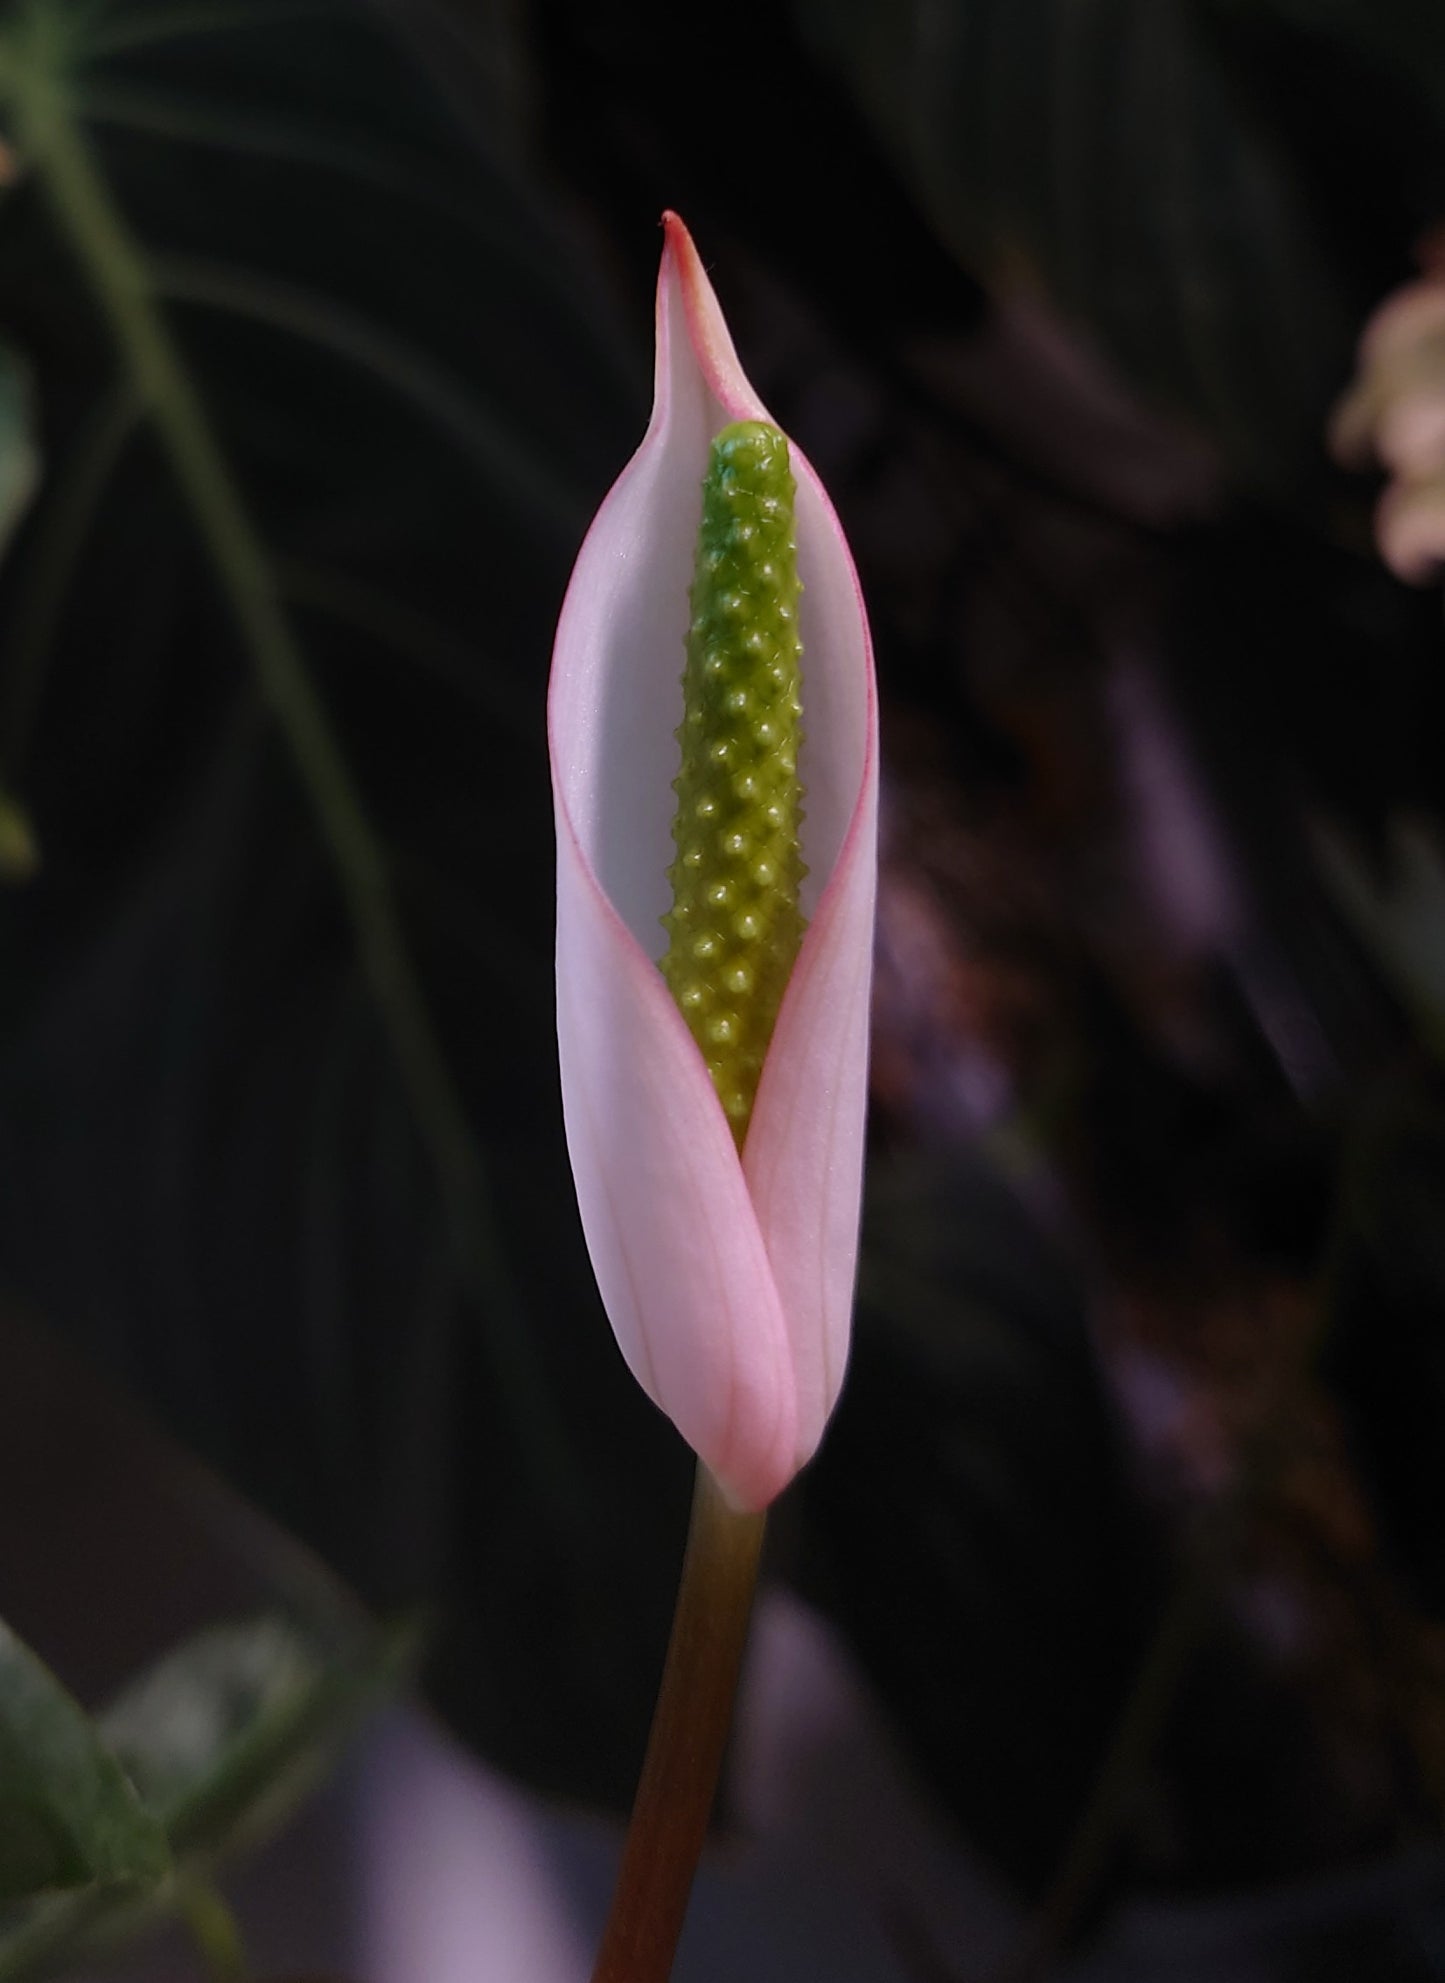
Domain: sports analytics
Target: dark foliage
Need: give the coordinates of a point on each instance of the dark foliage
(1058, 297)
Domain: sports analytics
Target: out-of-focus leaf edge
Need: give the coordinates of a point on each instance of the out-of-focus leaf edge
(69, 1816)
(261, 1776)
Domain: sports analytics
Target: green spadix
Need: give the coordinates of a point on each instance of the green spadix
(735, 925)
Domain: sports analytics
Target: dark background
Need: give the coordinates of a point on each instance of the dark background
(1058, 298)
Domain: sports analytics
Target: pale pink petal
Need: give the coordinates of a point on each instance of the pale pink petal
(1410, 432)
(684, 281)
(616, 691)
(675, 1245)
(1410, 529)
(720, 1317)
(804, 1152)
(1411, 313)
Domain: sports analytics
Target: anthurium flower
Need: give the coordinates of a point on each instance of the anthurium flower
(727, 1273)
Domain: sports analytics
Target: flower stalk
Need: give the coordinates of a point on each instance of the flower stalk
(685, 1748)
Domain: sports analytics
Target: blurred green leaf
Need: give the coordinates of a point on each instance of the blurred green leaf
(1103, 153)
(226, 1734)
(222, 1739)
(68, 1815)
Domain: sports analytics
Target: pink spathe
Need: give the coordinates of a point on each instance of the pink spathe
(728, 1279)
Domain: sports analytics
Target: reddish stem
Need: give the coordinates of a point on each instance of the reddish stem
(685, 1748)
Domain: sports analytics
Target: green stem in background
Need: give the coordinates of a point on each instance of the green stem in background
(31, 75)
(214, 1929)
(383, 620)
(356, 340)
(685, 1749)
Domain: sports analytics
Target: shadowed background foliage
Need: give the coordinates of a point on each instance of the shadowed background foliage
(1058, 295)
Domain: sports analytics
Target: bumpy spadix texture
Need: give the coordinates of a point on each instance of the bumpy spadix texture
(726, 1270)
(735, 924)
